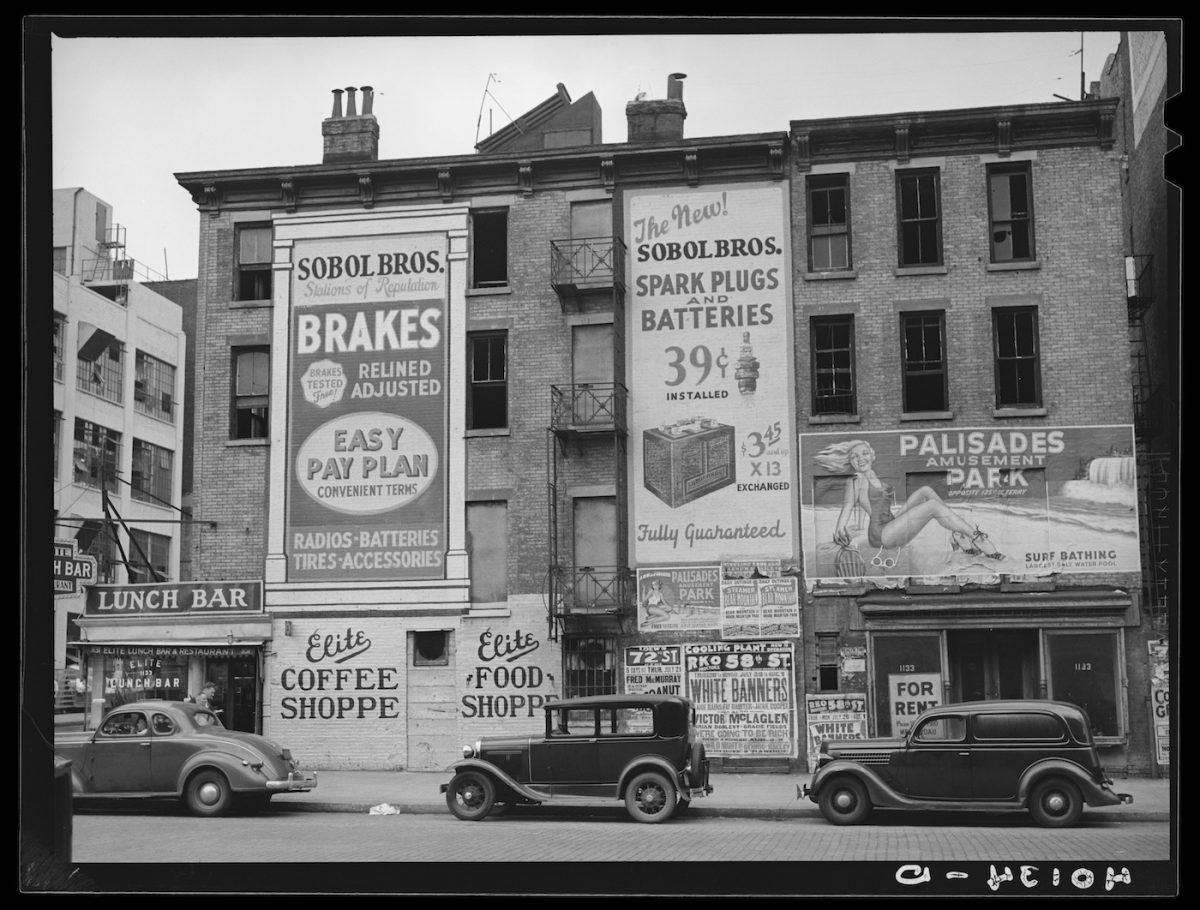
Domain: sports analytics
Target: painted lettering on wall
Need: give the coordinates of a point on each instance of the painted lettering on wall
(515, 689)
(335, 692)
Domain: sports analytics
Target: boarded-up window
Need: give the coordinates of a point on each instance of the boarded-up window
(487, 533)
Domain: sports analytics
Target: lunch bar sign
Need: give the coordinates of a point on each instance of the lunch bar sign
(204, 598)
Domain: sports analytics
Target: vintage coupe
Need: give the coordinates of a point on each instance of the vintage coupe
(640, 748)
(984, 755)
(155, 749)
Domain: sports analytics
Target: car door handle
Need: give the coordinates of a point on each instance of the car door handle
(964, 754)
(145, 745)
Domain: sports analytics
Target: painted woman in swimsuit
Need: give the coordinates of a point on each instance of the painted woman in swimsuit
(886, 528)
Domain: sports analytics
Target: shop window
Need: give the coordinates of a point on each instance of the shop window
(105, 375)
(487, 535)
(827, 662)
(154, 387)
(1010, 210)
(833, 390)
(253, 263)
(151, 473)
(150, 558)
(1083, 671)
(590, 664)
(251, 389)
(97, 455)
(828, 222)
(430, 648)
(489, 249)
(1018, 366)
(918, 209)
(487, 392)
(908, 679)
(923, 340)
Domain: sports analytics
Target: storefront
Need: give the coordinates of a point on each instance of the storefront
(168, 640)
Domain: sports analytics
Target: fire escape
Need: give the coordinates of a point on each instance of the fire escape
(1149, 425)
(111, 265)
(586, 443)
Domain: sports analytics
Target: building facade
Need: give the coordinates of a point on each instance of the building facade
(119, 378)
(565, 417)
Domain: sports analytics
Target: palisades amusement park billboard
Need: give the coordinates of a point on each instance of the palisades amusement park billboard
(367, 420)
(710, 366)
(971, 501)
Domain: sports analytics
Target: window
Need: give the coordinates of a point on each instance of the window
(54, 452)
(251, 385)
(920, 222)
(430, 650)
(487, 397)
(590, 665)
(489, 249)
(150, 477)
(1018, 366)
(924, 351)
(96, 539)
(827, 662)
(828, 222)
(154, 387)
(1010, 210)
(60, 260)
(487, 533)
(833, 365)
(104, 376)
(149, 557)
(942, 730)
(60, 328)
(591, 219)
(1083, 671)
(1019, 726)
(97, 454)
(253, 263)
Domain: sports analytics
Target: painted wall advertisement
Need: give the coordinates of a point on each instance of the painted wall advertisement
(687, 597)
(507, 678)
(973, 501)
(711, 364)
(1160, 701)
(840, 715)
(909, 695)
(367, 409)
(744, 694)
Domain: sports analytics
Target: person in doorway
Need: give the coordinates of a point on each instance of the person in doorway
(887, 527)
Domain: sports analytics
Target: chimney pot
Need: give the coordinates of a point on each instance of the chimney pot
(675, 86)
(368, 98)
(337, 104)
(351, 110)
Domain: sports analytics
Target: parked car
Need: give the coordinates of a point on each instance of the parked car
(983, 755)
(642, 749)
(155, 749)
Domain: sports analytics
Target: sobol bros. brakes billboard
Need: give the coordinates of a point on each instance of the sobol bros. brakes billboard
(367, 408)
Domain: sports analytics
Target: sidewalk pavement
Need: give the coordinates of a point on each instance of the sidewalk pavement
(733, 796)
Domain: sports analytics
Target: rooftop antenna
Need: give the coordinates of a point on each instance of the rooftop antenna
(492, 77)
(1082, 90)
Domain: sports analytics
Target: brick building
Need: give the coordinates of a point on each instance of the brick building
(545, 420)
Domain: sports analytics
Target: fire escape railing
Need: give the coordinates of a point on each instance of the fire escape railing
(588, 405)
(587, 262)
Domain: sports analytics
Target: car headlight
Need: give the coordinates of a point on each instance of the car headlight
(468, 751)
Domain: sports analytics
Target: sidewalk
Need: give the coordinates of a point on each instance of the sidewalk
(733, 796)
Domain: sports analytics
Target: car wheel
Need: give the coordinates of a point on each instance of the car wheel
(208, 793)
(650, 797)
(844, 801)
(1055, 803)
(470, 795)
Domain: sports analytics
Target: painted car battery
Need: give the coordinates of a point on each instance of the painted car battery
(685, 460)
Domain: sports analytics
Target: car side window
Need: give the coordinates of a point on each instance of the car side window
(626, 721)
(574, 722)
(127, 723)
(941, 730)
(163, 725)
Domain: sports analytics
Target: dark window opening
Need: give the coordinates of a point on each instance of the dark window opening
(251, 385)
(827, 662)
(487, 396)
(590, 666)
(429, 649)
(1010, 206)
(489, 249)
(828, 222)
(254, 263)
(833, 365)
(920, 221)
(924, 354)
(1018, 365)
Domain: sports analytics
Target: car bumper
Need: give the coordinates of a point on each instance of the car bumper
(296, 780)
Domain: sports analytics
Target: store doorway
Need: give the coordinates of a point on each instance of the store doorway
(991, 664)
(237, 691)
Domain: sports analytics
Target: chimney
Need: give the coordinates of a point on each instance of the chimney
(353, 137)
(658, 119)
